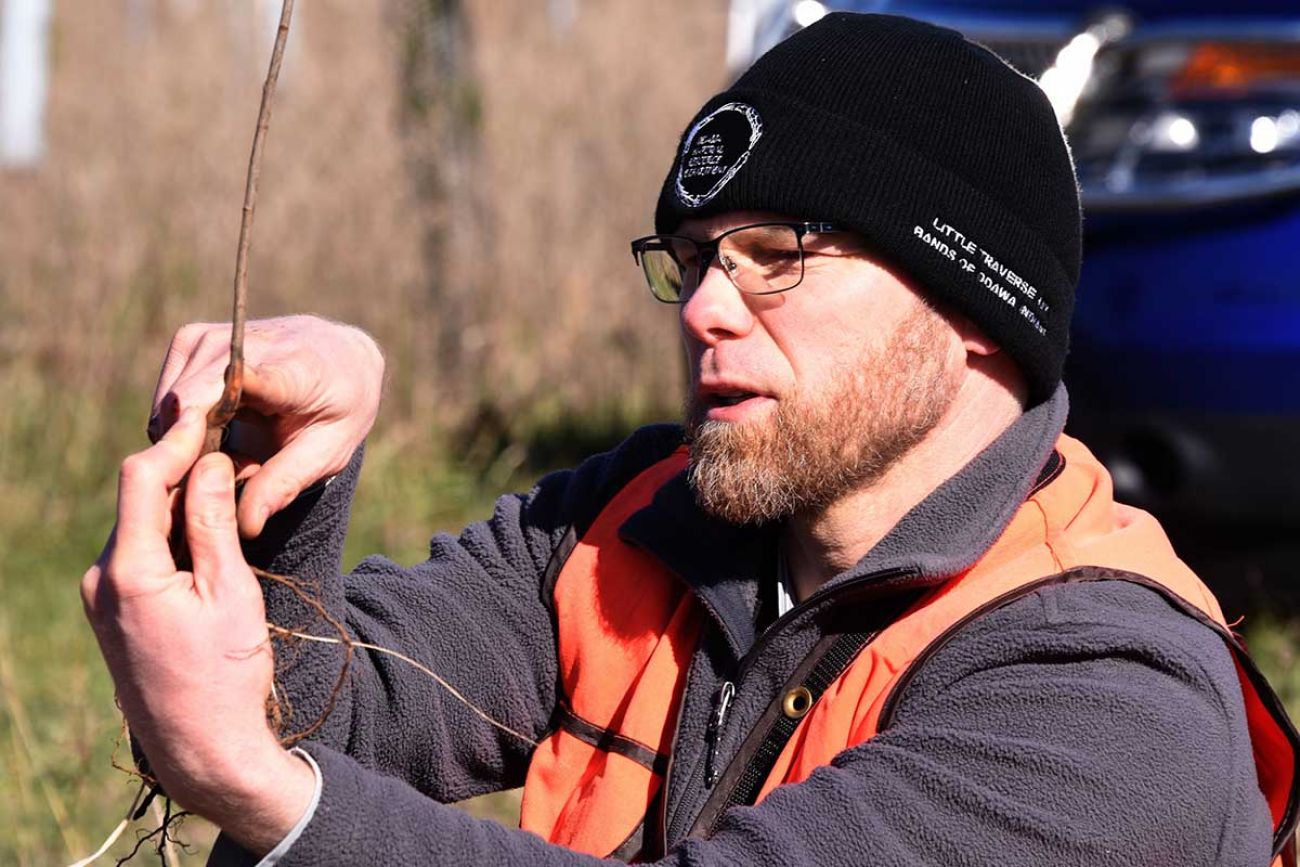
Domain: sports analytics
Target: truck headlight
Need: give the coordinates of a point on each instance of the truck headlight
(1177, 122)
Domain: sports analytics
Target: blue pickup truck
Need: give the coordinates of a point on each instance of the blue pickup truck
(1184, 122)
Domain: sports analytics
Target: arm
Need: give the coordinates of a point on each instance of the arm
(1082, 725)
(473, 612)
(194, 696)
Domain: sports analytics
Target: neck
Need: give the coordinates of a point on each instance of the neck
(818, 546)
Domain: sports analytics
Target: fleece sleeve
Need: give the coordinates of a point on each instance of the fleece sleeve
(1082, 725)
(472, 613)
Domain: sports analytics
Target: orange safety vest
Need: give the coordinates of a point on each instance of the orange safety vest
(627, 628)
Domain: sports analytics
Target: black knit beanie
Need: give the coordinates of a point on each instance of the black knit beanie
(949, 163)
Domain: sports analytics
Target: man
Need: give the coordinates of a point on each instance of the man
(868, 607)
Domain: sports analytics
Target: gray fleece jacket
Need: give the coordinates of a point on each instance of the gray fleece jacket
(1084, 724)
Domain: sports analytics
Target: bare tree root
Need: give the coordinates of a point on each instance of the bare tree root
(279, 712)
(162, 836)
(279, 715)
(279, 708)
(455, 693)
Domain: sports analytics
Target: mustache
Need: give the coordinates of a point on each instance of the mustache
(694, 411)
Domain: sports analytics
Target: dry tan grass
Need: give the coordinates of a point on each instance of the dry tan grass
(127, 229)
(483, 241)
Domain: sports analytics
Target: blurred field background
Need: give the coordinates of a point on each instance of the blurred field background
(459, 177)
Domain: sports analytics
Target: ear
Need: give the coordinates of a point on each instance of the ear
(973, 339)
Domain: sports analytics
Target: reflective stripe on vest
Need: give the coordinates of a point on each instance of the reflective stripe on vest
(627, 628)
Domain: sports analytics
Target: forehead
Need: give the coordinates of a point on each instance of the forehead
(705, 228)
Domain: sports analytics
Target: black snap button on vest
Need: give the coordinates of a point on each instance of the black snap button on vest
(797, 702)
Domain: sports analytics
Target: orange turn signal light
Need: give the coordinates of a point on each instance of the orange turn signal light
(1235, 67)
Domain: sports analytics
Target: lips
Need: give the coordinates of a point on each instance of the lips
(726, 392)
(729, 398)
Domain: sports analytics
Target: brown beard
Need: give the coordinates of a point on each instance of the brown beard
(811, 454)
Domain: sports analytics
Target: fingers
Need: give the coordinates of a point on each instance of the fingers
(198, 348)
(210, 524)
(269, 389)
(300, 464)
(193, 374)
(144, 496)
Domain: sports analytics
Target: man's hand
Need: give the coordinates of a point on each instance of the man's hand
(311, 392)
(189, 651)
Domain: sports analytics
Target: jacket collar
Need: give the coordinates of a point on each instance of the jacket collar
(941, 536)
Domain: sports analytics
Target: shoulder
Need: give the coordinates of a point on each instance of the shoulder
(1112, 620)
(1136, 702)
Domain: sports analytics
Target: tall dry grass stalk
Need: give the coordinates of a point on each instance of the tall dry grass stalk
(460, 177)
(506, 214)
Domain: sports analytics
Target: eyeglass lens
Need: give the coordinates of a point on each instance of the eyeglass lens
(758, 260)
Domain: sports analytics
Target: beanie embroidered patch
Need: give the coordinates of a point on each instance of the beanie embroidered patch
(713, 151)
(949, 164)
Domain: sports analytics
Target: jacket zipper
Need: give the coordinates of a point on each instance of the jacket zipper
(742, 667)
(712, 735)
(817, 597)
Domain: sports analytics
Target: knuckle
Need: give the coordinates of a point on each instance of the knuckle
(244, 583)
(183, 337)
(187, 334)
(170, 451)
(208, 340)
(189, 337)
(215, 516)
(369, 346)
(136, 467)
(89, 589)
(286, 486)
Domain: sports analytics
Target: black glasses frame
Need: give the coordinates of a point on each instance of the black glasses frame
(707, 251)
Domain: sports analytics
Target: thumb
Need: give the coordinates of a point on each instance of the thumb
(210, 523)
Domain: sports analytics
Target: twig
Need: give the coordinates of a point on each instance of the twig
(222, 414)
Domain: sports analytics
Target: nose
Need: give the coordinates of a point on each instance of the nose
(716, 309)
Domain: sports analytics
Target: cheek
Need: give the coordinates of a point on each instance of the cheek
(694, 351)
(828, 345)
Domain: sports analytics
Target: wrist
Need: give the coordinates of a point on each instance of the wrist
(265, 805)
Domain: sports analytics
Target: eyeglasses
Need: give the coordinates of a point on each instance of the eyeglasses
(760, 259)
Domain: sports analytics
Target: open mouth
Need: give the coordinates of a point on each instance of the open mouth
(730, 398)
